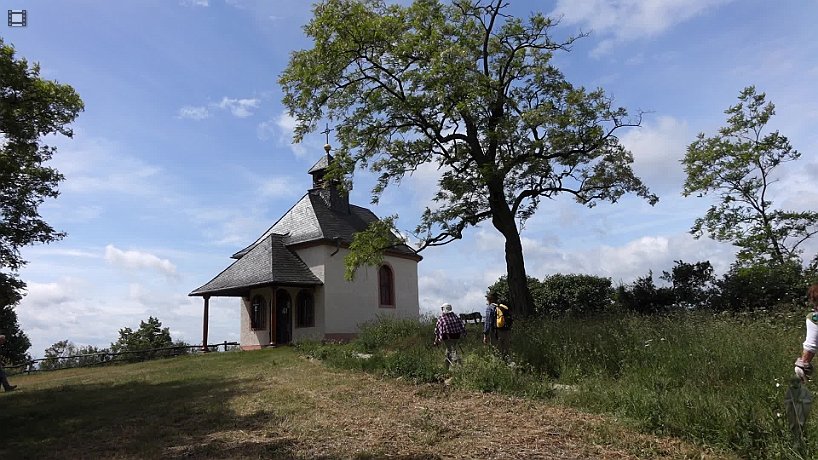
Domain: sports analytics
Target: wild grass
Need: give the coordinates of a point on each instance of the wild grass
(716, 380)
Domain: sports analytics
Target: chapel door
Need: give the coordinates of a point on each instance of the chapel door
(284, 317)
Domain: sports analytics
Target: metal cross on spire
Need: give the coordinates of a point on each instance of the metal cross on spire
(327, 131)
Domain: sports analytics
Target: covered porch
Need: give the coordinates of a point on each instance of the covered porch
(277, 290)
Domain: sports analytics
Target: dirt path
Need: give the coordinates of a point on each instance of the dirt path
(356, 415)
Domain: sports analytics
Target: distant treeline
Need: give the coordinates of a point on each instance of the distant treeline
(686, 286)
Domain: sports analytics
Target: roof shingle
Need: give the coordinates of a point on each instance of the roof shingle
(267, 262)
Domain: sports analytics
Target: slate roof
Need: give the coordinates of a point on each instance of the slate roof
(323, 163)
(267, 262)
(310, 219)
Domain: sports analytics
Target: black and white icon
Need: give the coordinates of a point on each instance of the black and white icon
(18, 18)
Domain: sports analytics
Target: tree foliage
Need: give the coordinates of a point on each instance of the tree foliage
(30, 108)
(472, 90)
(65, 354)
(14, 351)
(760, 286)
(691, 283)
(737, 166)
(578, 294)
(643, 296)
(150, 335)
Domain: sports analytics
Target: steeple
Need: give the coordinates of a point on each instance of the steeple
(328, 189)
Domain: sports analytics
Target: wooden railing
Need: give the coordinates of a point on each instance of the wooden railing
(107, 357)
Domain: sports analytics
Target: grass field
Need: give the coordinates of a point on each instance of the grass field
(276, 403)
(712, 379)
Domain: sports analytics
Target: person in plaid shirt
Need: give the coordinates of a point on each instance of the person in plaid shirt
(449, 329)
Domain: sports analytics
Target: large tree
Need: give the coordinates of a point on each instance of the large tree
(471, 89)
(30, 108)
(737, 165)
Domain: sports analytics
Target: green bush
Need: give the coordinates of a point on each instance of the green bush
(692, 284)
(643, 296)
(760, 287)
(575, 293)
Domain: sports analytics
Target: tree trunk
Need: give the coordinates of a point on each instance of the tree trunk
(520, 297)
(521, 301)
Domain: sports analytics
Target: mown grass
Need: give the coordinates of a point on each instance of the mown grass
(716, 380)
(142, 410)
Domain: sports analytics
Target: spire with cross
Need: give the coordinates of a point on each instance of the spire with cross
(327, 147)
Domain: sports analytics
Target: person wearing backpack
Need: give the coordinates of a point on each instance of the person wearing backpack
(497, 326)
(448, 330)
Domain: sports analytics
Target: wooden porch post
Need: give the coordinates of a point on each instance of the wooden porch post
(204, 322)
(273, 317)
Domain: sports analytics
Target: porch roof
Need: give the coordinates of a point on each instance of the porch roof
(267, 262)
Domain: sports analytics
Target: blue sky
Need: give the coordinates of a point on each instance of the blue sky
(183, 154)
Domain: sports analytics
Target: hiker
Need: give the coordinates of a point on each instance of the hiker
(3, 380)
(493, 331)
(449, 329)
(803, 365)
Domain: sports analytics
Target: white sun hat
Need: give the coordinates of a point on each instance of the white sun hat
(447, 307)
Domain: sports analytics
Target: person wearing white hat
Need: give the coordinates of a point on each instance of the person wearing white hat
(449, 329)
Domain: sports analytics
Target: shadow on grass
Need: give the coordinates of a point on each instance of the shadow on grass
(190, 419)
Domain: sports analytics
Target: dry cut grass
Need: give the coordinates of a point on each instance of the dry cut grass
(275, 404)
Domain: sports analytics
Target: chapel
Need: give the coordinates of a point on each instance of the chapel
(290, 281)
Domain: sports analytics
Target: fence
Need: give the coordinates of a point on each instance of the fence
(106, 357)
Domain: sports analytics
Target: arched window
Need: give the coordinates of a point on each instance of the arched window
(386, 286)
(258, 313)
(305, 310)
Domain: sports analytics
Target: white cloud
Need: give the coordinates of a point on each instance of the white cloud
(193, 113)
(625, 20)
(438, 286)
(281, 129)
(240, 4)
(51, 294)
(630, 260)
(241, 108)
(657, 150)
(138, 260)
(195, 3)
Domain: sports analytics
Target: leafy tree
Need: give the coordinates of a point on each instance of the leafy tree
(150, 335)
(576, 293)
(643, 296)
(760, 286)
(471, 89)
(692, 283)
(15, 349)
(30, 108)
(65, 354)
(535, 287)
(737, 165)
